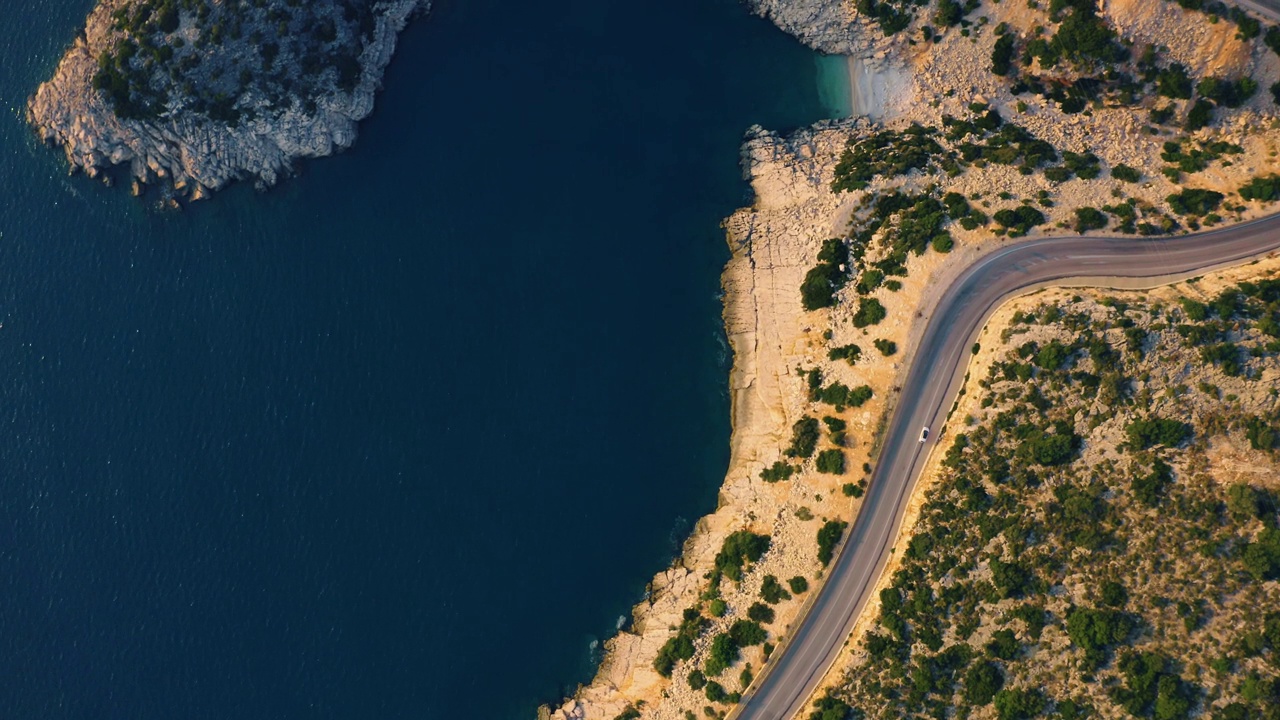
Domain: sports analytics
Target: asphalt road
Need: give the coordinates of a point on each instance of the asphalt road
(1267, 8)
(927, 395)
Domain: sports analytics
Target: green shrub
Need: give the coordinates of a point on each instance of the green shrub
(1098, 631)
(778, 471)
(760, 613)
(1142, 434)
(1002, 55)
(1088, 218)
(886, 347)
(830, 707)
(772, 592)
(746, 633)
(1174, 82)
(739, 549)
(848, 353)
(1200, 115)
(1226, 356)
(1150, 488)
(1004, 646)
(1194, 201)
(723, 653)
(828, 537)
(981, 683)
(825, 279)
(888, 153)
(1125, 173)
(1261, 558)
(1019, 704)
(831, 462)
(1261, 434)
(1262, 189)
(804, 438)
(1011, 579)
(1229, 93)
(799, 585)
(715, 691)
(681, 646)
(697, 680)
(870, 312)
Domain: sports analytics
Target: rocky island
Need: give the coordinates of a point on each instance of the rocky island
(194, 94)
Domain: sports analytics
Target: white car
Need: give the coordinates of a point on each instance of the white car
(924, 434)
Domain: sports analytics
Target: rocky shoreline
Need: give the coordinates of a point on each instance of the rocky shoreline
(190, 154)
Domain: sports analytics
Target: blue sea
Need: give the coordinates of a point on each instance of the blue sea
(407, 435)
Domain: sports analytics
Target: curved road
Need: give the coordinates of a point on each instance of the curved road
(927, 395)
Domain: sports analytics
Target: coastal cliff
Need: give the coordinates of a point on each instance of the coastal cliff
(195, 95)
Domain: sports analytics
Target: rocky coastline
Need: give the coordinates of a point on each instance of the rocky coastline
(778, 239)
(189, 154)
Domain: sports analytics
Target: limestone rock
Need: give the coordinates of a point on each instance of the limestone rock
(196, 154)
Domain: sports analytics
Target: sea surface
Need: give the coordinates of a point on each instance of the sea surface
(406, 436)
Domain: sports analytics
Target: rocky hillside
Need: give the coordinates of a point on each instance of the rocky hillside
(197, 93)
(1099, 538)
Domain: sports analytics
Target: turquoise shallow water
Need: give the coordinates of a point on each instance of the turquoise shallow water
(403, 437)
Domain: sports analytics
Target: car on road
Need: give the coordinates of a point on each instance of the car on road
(924, 434)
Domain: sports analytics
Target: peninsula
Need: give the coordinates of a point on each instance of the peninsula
(194, 94)
(984, 122)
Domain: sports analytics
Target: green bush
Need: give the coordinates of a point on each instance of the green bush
(778, 471)
(870, 312)
(1226, 356)
(1200, 115)
(760, 613)
(1229, 93)
(1145, 433)
(1002, 55)
(715, 691)
(681, 646)
(723, 653)
(739, 549)
(1046, 449)
(888, 153)
(1019, 220)
(1125, 173)
(825, 279)
(1098, 631)
(1194, 201)
(746, 633)
(1174, 82)
(1150, 488)
(886, 347)
(804, 438)
(981, 683)
(828, 537)
(848, 353)
(1262, 189)
(1088, 218)
(799, 585)
(772, 592)
(1019, 704)
(831, 462)
(830, 707)
(1262, 435)
(1004, 645)
(1011, 579)
(697, 680)
(1261, 558)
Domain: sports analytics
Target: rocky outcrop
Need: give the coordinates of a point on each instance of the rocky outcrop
(187, 151)
(830, 26)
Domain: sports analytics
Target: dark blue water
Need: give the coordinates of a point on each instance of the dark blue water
(400, 438)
